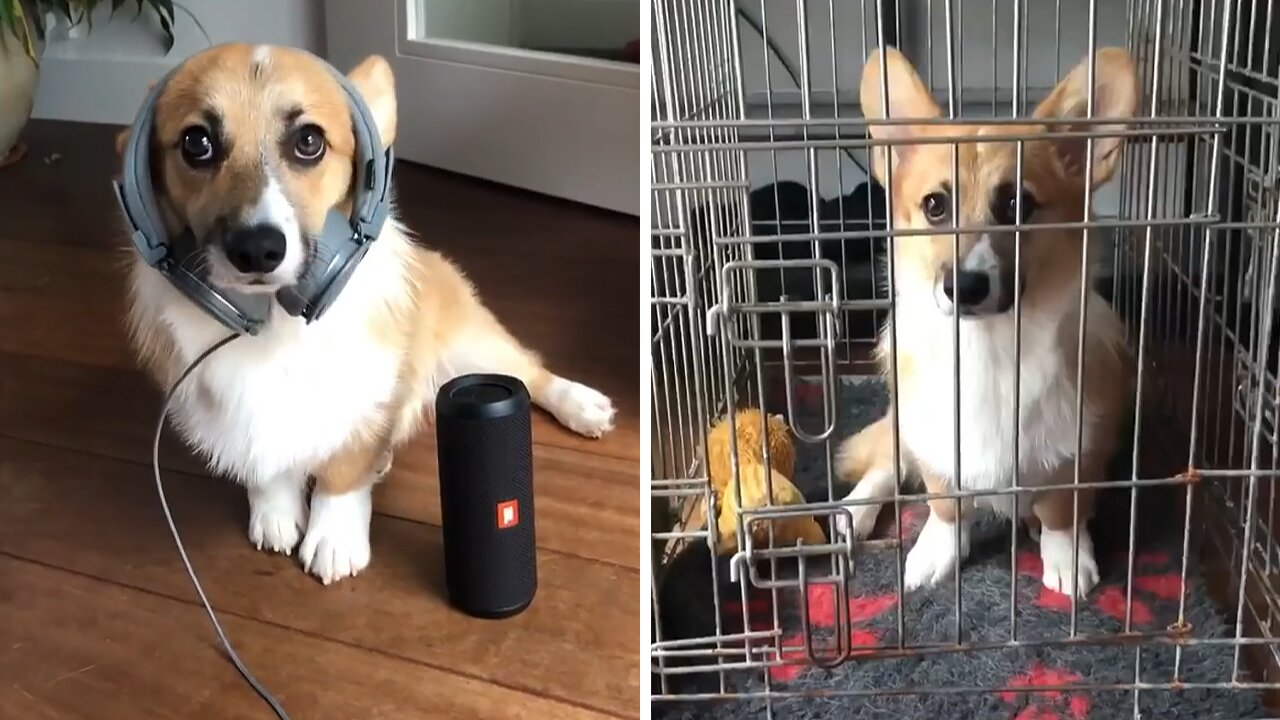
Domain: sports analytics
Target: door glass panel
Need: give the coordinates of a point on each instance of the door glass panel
(600, 29)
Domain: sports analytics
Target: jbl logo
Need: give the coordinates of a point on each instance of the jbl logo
(508, 514)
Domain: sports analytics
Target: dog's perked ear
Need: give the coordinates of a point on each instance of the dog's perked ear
(377, 85)
(1115, 96)
(908, 98)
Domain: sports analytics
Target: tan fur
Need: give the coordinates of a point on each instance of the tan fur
(1053, 168)
(944, 508)
(871, 448)
(252, 107)
(443, 308)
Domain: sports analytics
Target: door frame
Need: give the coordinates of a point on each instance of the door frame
(533, 120)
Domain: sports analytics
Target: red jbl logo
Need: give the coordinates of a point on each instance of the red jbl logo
(508, 514)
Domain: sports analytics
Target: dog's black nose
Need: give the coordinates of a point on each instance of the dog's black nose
(255, 249)
(968, 289)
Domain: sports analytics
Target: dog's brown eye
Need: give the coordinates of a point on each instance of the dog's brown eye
(198, 147)
(1005, 210)
(308, 144)
(936, 207)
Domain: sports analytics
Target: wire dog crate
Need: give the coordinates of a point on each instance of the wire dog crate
(772, 276)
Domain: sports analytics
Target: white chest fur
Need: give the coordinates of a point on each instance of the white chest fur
(1038, 408)
(285, 400)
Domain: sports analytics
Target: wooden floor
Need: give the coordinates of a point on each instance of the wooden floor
(97, 617)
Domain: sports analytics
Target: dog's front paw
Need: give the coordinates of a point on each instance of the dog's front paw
(935, 554)
(875, 484)
(1055, 554)
(337, 541)
(862, 518)
(581, 409)
(277, 515)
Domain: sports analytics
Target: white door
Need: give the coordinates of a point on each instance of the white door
(537, 94)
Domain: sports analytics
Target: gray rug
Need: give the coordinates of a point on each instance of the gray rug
(989, 582)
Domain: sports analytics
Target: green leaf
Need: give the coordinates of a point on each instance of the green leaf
(8, 21)
(36, 12)
(80, 11)
(168, 33)
(65, 8)
(13, 19)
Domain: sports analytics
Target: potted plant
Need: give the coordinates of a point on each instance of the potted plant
(22, 33)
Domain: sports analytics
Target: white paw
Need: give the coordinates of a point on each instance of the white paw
(1055, 553)
(581, 409)
(277, 514)
(876, 484)
(935, 553)
(864, 520)
(337, 541)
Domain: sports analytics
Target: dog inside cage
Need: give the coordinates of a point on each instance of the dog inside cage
(964, 359)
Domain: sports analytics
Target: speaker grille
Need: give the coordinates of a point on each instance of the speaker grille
(484, 464)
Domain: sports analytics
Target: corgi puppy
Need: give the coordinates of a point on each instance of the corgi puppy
(252, 146)
(982, 292)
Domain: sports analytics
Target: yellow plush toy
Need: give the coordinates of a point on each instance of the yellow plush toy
(782, 454)
(751, 475)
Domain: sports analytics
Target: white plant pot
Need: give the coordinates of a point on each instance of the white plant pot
(18, 77)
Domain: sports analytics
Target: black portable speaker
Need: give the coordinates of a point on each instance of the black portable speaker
(485, 447)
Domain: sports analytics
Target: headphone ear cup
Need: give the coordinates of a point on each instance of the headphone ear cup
(338, 250)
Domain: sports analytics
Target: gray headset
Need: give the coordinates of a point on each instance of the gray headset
(340, 247)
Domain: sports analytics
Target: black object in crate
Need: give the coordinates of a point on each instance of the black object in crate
(786, 209)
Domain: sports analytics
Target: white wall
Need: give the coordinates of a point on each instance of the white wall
(102, 76)
(984, 65)
(854, 37)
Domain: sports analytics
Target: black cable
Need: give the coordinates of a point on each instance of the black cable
(168, 516)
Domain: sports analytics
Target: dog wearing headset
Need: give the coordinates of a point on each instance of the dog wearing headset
(250, 153)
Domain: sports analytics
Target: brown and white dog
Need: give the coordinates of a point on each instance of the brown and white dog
(252, 146)
(1054, 184)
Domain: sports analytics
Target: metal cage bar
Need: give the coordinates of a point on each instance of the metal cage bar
(777, 284)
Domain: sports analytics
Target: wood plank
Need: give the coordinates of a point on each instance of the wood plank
(587, 504)
(63, 302)
(577, 643)
(61, 193)
(90, 649)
